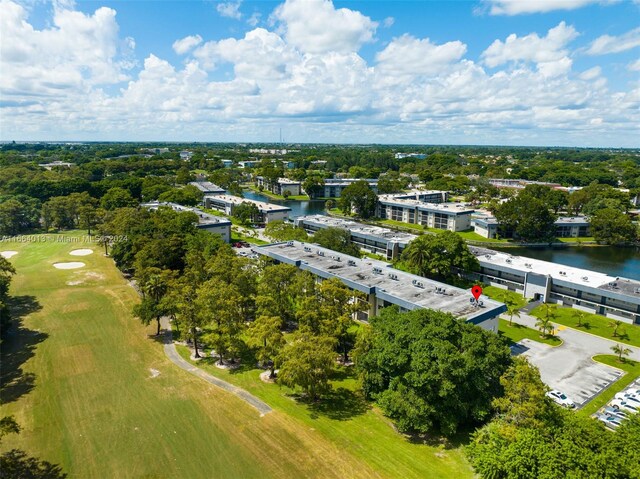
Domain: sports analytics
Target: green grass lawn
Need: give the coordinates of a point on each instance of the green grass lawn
(632, 372)
(401, 225)
(349, 422)
(77, 377)
(581, 239)
(594, 324)
(268, 194)
(517, 332)
(237, 235)
(504, 295)
(473, 236)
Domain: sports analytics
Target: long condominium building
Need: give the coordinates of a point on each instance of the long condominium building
(424, 209)
(211, 223)
(566, 227)
(208, 188)
(375, 239)
(281, 186)
(385, 286)
(591, 291)
(227, 203)
(548, 282)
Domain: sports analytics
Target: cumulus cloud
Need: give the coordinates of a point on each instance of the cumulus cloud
(410, 55)
(531, 47)
(415, 90)
(186, 44)
(612, 44)
(518, 7)
(316, 26)
(230, 9)
(634, 66)
(76, 52)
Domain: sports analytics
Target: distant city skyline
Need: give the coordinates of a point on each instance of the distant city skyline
(488, 72)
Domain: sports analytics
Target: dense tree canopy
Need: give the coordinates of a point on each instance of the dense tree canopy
(431, 372)
(336, 239)
(359, 197)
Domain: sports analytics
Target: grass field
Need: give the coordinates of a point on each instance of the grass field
(77, 377)
(594, 324)
(632, 370)
(517, 332)
(273, 196)
(349, 422)
(504, 295)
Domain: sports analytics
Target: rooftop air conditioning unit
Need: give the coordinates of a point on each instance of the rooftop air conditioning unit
(320, 253)
(290, 243)
(351, 262)
(414, 282)
(585, 278)
(419, 284)
(509, 261)
(306, 248)
(393, 276)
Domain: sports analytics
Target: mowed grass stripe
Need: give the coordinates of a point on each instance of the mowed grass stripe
(96, 411)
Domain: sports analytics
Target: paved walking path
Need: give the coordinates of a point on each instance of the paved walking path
(589, 342)
(171, 352)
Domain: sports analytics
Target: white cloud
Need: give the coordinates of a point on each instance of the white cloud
(518, 7)
(610, 44)
(76, 52)
(230, 9)
(591, 73)
(254, 19)
(531, 47)
(634, 66)
(186, 44)
(316, 26)
(388, 22)
(407, 55)
(414, 91)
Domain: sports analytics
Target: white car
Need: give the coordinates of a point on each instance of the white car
(633, 398)
(625, 405)
(632, 390)
(561, 398)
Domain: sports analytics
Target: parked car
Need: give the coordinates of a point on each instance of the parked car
(625, 405)
(611, 411)
(610, 421)
(561, 398)
(628, 397)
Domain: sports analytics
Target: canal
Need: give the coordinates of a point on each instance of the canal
(612, 260)
(298, 208)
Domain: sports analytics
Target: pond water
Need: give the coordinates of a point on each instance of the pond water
(612, 260)
(298, 208)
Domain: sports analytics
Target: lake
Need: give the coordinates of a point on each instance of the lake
(298, 208)
(612, 260)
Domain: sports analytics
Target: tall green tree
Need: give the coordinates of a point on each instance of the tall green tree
(359, 197)
(117, 198)
(307, 362)
(336, 239)
(611, 226)
(265, 335)
(429, 371)
(281, 231)
(442, 256)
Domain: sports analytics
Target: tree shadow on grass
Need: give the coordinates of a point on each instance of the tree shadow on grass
(340, 404)
(18, 346)
(460, 438)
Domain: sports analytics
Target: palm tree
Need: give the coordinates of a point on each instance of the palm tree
(543, 324)
(417, 255)
(615, 324)
(580, 317)
(512, 310)
(620, 351)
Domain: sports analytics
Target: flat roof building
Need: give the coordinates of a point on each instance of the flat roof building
(279, 187)
(208, 188)
(375, 239)
(211, 223)
(566, 227)
(333, 187)
(591, 291)
(267, 211)
(55, 164)
(384, 285)
(439, 215)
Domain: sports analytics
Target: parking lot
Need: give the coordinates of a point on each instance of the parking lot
(568, 368)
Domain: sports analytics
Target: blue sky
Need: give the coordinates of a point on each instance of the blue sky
(523, 72)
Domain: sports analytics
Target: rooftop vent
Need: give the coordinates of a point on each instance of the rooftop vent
(417, 284)
(306, 248)
(393, 276)
(320, 253)
(351, 262)
(377, 271)
(585, 278)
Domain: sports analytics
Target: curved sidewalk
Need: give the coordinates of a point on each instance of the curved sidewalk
(171, 352)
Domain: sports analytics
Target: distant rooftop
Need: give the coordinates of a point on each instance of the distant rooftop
(204, 219)
(207, 187)
(236, 200)
(377, 231)
(367, 275)
(444, 207)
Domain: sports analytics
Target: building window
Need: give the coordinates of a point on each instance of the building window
(440, 221)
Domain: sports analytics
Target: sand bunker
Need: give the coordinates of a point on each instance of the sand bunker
(8, 254)
(81, 252)
(69, 265)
